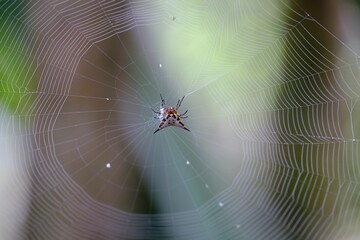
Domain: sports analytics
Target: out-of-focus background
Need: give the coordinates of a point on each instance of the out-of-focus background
(271, 88)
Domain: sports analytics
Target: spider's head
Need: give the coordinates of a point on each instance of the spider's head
(171, 110)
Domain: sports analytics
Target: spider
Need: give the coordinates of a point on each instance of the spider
(169, 116)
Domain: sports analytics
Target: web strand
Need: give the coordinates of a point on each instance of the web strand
(273, 109)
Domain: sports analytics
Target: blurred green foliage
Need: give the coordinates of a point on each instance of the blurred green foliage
(14, 64)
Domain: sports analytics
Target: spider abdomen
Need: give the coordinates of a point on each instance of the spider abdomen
(171, 119)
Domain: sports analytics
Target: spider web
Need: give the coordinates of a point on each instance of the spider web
(272, 99)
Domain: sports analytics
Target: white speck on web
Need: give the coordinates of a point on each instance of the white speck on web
(108, 165)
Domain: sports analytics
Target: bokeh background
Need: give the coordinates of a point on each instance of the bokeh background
(271, 88)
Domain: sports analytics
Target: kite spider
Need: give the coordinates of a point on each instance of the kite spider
(169, 116)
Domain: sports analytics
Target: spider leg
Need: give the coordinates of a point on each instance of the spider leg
(187, 129)
(158, 113)
(156, 130)
(162, 101)
(155, 111)
(179, 103)
(182, 114)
